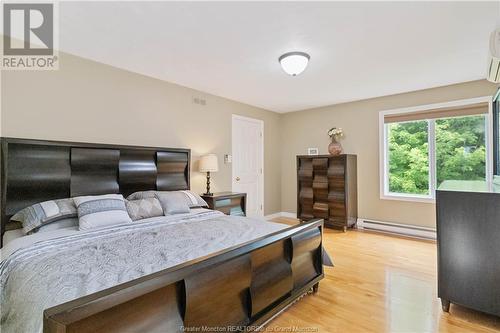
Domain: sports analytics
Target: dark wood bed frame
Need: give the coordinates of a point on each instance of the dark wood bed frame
(239, 288)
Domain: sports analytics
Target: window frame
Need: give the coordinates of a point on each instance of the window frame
(496, 134)
(385, 194)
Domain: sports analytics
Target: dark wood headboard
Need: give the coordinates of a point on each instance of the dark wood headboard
(34, 171)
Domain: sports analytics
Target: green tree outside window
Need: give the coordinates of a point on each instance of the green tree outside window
(460, 152)
(409, 157)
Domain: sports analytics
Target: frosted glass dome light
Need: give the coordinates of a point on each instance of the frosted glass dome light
(294, 63)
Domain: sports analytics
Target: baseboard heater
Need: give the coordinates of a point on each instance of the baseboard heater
(396, 228)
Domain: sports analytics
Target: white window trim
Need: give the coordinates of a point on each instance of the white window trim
(384, 151)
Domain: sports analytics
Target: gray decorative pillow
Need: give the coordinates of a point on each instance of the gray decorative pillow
(101, 211)
(43, 213)
(142, 195)
(192, 199)
(143, 208)
(173, 202)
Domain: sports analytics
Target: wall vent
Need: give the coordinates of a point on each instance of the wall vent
(199, 101)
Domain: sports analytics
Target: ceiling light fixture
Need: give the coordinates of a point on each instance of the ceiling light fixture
(294, 63)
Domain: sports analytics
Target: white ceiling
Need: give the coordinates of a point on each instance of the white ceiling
(358, 49)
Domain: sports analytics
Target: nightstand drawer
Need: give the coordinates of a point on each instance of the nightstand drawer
(229, 203)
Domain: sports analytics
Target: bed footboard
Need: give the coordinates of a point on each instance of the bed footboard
(239, 287)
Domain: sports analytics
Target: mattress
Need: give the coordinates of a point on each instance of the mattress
(10, 235)
(40, 271)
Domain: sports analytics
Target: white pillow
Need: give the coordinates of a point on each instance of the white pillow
(101, 211)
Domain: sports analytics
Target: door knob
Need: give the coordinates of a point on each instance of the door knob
(237, 179)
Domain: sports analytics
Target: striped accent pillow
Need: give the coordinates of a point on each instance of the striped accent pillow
(101, 211)
(43, 213)
(193, 200)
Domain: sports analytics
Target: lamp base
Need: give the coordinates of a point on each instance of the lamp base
(208, 185)
(208, 194)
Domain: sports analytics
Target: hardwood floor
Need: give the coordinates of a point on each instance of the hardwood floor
(380, 283)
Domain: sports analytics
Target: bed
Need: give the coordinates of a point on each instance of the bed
(183, 272)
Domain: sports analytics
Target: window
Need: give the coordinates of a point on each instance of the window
(461, 148)
(409, 157)
(425, 146)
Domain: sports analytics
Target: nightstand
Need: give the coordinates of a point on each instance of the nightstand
(229, 203)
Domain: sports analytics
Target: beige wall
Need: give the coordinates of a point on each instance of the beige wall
(359, 120)
(91, 102)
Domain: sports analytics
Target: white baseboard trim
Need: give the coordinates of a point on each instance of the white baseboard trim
(380, 226)
(396, 228)
(280, 214)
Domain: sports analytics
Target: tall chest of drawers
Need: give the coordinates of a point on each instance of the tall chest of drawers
(327, 189)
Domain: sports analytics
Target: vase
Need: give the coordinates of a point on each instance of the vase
(335, 148)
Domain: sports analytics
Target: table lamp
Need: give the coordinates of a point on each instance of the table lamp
(209, 163)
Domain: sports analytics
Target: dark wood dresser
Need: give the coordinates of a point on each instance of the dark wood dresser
(229, 203)
(468, 240)
(327, 189)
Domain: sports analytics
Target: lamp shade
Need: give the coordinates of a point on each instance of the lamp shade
(209, 163)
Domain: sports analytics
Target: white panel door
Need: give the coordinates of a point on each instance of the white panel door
(248, 159)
